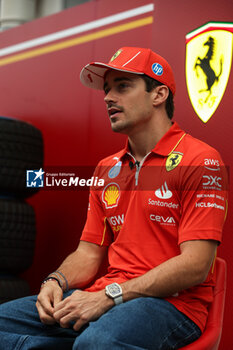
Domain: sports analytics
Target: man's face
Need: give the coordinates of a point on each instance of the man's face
(129, 105)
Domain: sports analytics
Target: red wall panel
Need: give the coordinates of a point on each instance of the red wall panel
(45, 90)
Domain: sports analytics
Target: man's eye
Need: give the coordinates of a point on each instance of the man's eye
(122, 86)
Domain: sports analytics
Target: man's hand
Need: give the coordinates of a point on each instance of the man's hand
(82, 307)
(50, 295)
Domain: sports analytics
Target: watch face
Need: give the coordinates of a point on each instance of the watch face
(114, 290)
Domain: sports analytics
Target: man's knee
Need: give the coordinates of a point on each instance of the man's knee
(16, 313)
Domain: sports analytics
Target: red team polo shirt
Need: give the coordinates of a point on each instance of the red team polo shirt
(143, 212)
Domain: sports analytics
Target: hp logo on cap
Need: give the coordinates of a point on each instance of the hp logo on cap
(157, 69)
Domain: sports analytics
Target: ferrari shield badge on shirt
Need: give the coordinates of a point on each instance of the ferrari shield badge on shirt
(173, 160)
(208, 65)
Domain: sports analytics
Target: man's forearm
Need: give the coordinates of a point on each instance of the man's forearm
(162, 281)
(179, 273)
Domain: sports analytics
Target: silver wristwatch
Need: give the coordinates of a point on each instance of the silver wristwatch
(114, 291)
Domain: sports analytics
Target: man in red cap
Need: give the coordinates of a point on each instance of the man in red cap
(158, 216)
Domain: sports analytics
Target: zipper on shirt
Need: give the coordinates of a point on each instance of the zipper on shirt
(138, 166)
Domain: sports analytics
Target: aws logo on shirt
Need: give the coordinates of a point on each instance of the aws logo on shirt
(212, 164)
(111, 195)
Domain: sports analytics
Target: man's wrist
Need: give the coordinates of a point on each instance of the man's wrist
(51, 279)
(65, 285)
(59, 278)
(114, 291)
(108, 303)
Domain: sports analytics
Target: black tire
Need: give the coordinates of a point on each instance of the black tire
(12, 288)
(17, 235)
(21, 149)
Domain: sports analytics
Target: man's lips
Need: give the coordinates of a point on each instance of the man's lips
(113, 111)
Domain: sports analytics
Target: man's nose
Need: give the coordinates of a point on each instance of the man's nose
(110, 97)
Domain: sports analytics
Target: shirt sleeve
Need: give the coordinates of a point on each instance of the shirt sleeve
(96, 229)
(203, 198)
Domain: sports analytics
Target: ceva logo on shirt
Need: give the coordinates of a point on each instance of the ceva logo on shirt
(163, 192)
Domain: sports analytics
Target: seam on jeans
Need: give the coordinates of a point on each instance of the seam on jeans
(22, 341)
(174, 330)
(195, 332)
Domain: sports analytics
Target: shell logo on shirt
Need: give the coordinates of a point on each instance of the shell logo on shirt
(111, 195)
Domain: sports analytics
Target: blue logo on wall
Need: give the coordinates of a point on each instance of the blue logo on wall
(35, 178)
(157, 69)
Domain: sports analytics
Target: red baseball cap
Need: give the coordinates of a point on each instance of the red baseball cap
(132, 60)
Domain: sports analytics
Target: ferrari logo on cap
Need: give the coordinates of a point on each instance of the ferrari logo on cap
(173, 160)
(115, 55)
(208, 65)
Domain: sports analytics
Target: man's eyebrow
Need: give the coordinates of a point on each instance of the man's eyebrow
(122, 78)
(116, 80)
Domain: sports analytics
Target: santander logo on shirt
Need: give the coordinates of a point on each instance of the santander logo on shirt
(163, 192)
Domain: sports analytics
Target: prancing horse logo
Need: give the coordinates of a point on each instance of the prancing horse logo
(205, 64)
(173, 160)
(208, 66)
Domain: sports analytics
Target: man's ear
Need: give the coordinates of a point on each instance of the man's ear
(160, 94)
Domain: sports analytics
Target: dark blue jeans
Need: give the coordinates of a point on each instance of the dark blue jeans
(143, 323)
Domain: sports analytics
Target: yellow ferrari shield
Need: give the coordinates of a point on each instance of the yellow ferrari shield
(208, 65)
(173, 160)
(115, 55)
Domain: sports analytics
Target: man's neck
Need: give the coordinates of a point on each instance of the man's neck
(143, 141)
